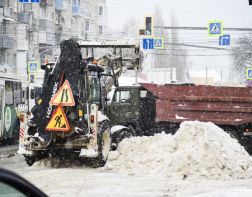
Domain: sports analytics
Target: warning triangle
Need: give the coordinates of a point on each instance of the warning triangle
(58, 121)
(64, 96)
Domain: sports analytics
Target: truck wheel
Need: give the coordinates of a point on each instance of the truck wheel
(121, 135)
(30, 160)
(104, 142)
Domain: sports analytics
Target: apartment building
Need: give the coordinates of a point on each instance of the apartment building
(31, 32)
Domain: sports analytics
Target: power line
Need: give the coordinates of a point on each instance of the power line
(203, 28)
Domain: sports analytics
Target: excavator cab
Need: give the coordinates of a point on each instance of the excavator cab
(94, 83)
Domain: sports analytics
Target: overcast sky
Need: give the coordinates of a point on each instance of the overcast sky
(197, 13)
(235, 13)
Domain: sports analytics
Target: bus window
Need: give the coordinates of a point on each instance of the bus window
(9, 93)
(17, 93)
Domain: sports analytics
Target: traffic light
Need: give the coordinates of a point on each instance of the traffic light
(148, 25)
(31, 78)
(250, 2)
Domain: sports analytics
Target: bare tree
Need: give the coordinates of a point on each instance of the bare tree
(242, 52)
(242, 55)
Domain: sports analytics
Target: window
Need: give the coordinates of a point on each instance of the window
(87, 26)
(2, 57)
(94, 93)
(42, 13)
(143, 93)
(9, 93)
(100, 30)
(100, 10)
(17, 93)
(11, 59)
(123, 97)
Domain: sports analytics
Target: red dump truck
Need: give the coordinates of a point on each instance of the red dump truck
(150, 108)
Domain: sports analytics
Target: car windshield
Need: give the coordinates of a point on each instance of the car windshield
(127, 97)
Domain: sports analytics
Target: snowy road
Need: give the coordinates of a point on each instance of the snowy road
(84, 181)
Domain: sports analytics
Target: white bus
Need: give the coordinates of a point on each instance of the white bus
(14, 92)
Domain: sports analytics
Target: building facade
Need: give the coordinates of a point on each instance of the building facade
(32, 32)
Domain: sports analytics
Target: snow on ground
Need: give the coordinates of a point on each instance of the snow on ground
(84, 181)
(214, 165)
(197, 151)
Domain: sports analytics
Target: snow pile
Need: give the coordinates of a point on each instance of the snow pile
(197, 150)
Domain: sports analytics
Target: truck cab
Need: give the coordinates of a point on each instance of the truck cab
(132, 106)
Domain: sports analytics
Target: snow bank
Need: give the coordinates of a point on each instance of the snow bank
(197, 151)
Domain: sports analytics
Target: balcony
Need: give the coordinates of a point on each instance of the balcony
(46, 24)
(46, 2)
(23, 17)
(46, 38)
(6, 42)
(60, 5)
(76, 10)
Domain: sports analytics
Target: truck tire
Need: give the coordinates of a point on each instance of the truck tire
(30, 160)
(121, 135)
(104, 143)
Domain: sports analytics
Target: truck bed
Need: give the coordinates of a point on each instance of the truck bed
(217, 104)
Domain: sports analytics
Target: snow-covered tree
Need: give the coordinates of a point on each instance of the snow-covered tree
(242, 55)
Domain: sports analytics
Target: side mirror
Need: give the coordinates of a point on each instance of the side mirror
(12, 184)
(107, 99)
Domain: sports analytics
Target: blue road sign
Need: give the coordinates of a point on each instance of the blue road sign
(148, 43)
(29, 1)
(158, 43)
(249, 73)
(33, 66)
(224, 40)
(215, 28)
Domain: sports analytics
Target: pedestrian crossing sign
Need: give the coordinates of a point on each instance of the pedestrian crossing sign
(64, 96)
(249, 73)
(215, 28)
(58, 121)
(158, 43)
